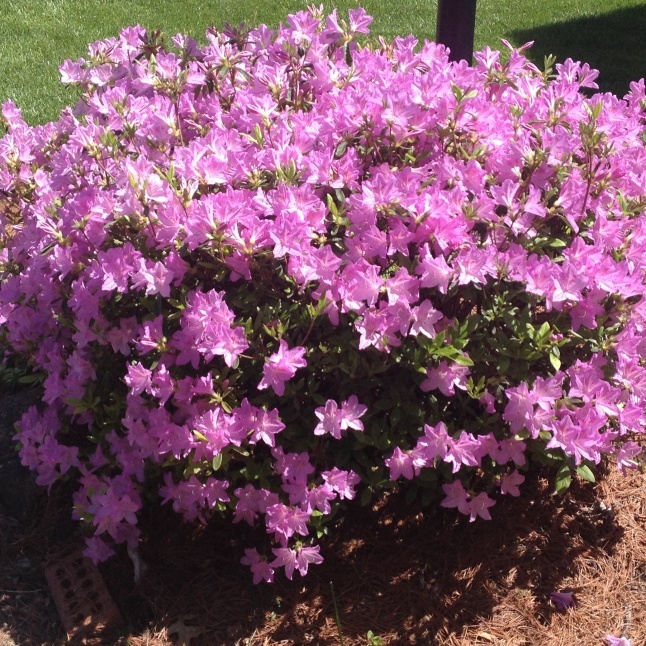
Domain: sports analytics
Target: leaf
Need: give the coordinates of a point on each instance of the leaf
(463, 360)
(585, 472)
(366, 495)
(563, 479)
(217, 461)
(340, 149)
(543, 333)
(555, 358)
(30, 379)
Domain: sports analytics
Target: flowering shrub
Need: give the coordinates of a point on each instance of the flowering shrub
(271, 274)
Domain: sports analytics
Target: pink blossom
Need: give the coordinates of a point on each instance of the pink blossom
(479, 506)
(562, 600)
(260, 567)
(138, 378)
(286, 521)
(626, 455)
(298, 559)
(252, 502)
(464, 450)
(618, 641)
(97, 549)
(446, 378)
(292, 467)
(456, 496)
(351, 412)
(510, 482)
(330, 417)
(401, 464)
(281, 367)
(341, 482)
(424, 317)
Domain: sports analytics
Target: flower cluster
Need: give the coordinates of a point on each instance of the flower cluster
(261, 276)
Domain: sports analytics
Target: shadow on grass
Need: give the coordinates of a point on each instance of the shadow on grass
(614, 43)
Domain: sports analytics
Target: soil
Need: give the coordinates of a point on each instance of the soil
(393, 573)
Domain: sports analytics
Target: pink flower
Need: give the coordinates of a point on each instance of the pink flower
(251, 502)
(319, 498)
(298, 559)
(434, 271)
(456, 496)
(464, 450)
(97, 550)
(341, 482)
(618, 641)
(562, 600)
(292, 467)
(520, 409)
(281, 367)
(351, 411)
(286, 521)
(510, 482)
(330, 420)
(112, 509)
(424, 318)
(138, 379)
(359, 21)
(509, 449)
(334, 420)
(151, 335)
(401, 464)
(479, 506)
(626, 455)
(446, 377)
(260, 567)
(156, 277)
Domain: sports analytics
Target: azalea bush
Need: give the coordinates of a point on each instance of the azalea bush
(283, 271)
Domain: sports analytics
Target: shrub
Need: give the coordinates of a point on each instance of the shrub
(265, 276)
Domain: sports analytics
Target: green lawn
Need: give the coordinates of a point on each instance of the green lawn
(37, 35)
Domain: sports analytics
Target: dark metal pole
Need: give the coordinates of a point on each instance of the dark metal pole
(456, 22)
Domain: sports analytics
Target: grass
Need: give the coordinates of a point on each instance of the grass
(36, 36)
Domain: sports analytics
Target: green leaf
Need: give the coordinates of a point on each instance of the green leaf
(217, 461)
(555, 358)
(340, 149)
(30, 379)
(366, 495)
(585, 472)
(542, 334)
(463, 360)
(332, 206)
(563, 479)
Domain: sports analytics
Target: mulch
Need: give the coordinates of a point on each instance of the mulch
(408, 574)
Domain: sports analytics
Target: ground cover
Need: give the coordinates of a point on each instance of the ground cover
(37, 35)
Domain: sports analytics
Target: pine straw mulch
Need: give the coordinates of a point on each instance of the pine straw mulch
(411, 576)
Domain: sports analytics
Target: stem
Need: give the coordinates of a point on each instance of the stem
(336, 615)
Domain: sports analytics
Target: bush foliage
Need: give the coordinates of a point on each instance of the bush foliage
(281, 271)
